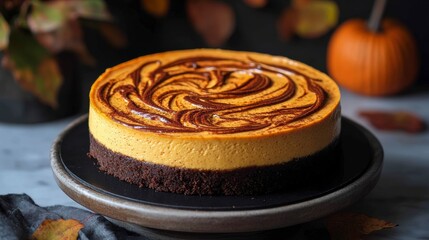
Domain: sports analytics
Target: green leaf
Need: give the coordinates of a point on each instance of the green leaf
(4, 33)
(34, 68)
(92, 9)
(25, 51)
(45, 17)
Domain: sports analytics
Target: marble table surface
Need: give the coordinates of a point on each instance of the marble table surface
(401, 195)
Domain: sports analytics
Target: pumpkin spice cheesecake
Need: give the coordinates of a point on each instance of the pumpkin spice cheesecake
(209, 121)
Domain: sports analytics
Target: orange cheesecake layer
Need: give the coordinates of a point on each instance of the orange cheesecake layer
(214, 109)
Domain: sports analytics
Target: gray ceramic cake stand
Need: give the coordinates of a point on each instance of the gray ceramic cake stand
(155, 221)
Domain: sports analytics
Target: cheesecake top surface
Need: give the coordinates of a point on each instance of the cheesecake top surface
(211, 92)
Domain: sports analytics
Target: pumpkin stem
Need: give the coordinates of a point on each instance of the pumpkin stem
(376, 15)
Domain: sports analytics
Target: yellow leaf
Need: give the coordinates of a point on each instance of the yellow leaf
(59, 229)
(4, 33)
(352, 226)
(157, 8)
(316, 18)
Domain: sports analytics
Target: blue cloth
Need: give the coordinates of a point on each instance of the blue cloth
(20, 217)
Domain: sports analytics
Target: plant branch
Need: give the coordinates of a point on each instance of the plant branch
(21, 21)
(376, 15)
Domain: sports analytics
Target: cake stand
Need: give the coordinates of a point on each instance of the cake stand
(173, 216)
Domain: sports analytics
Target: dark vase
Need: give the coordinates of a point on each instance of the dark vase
(20, 106)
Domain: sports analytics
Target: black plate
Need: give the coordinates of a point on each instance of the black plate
(356, 157)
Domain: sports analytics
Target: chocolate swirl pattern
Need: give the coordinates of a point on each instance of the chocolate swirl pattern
(211, 94)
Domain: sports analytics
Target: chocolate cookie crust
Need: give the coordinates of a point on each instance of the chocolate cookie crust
(244, 181)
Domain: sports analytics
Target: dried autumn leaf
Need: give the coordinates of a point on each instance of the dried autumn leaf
(4, 33)
(352, 226)
(59, 229)
(213, 20)
(395, 121)
(34, 68)
(157, 8)
(287, 22)
(316, 18)
(44, 83)
(48, 79)
(44, 17)
(256, 3)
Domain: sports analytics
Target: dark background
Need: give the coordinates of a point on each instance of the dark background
(255, 30)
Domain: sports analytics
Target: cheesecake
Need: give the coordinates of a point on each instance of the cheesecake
(214, 122)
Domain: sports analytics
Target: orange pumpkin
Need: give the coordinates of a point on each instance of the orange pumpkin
(374, 63)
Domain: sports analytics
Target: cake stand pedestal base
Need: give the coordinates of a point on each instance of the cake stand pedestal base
(292, 233)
